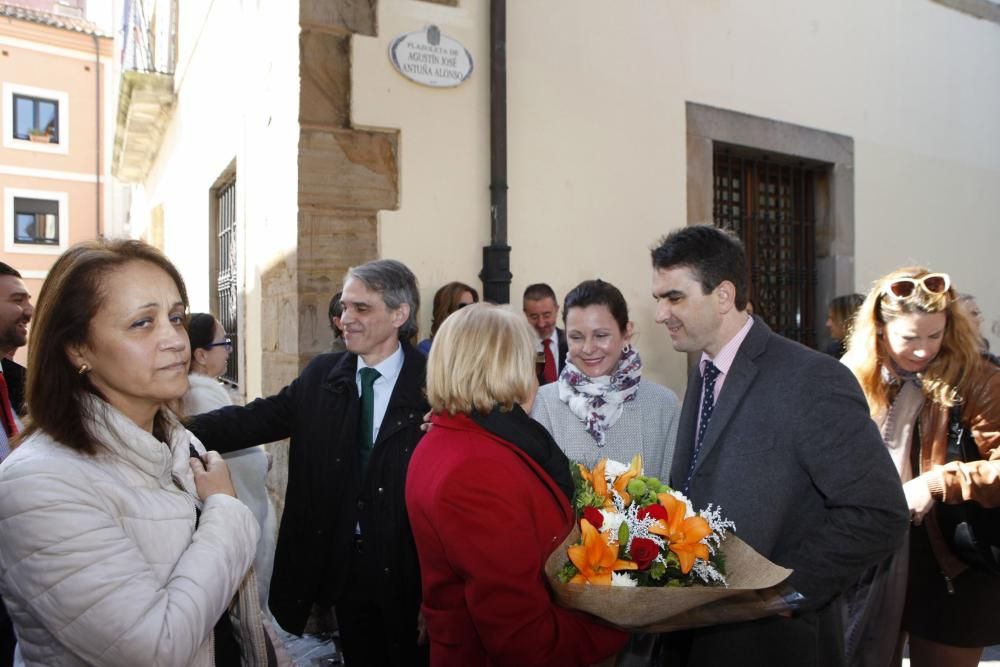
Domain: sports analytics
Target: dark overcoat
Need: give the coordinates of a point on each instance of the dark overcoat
(793, 457)
(327, 495)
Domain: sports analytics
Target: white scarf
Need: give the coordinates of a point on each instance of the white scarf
(599, 402)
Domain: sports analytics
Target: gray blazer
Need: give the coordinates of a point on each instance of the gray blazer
(793, 457)
(647, 426)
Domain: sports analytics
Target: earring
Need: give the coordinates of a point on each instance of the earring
(84, 369)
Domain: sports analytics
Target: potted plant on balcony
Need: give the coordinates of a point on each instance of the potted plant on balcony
(39, 135)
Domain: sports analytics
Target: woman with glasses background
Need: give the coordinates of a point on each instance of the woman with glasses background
(917, 354)
(210, 350)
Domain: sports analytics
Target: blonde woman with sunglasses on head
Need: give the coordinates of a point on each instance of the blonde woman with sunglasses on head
(916, 353)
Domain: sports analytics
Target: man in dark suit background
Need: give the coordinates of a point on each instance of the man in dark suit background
(354, 420)
(780, 437)
(542, 310)
(15, 313)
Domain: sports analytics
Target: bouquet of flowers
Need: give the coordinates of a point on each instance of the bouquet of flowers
(638, 531)
(643, 559)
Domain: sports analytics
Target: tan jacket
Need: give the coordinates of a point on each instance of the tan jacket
(958, 481)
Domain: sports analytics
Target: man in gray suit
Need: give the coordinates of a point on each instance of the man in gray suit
(780, 437)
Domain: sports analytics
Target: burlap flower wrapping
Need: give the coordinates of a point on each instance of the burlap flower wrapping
(749, 595)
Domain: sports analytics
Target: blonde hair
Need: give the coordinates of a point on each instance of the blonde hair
(867, 354)
(483, 357)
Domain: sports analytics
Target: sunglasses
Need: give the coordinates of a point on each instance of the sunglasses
(932, 283)
(225, 341)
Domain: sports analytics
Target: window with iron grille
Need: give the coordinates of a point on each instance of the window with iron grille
(226, 307)
(36, 117)
(36, 221)
(769, 201)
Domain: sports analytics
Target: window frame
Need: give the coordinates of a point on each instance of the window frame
(36, 102)
(61, 98)
(835, 223)
(10, 222)
(225, 270)
(42, 240)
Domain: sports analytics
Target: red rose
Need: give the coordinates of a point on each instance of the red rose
(643, 552)
(655, 510)
(594, 516)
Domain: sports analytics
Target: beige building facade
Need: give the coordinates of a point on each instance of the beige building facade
(54, 173)
(283, 147)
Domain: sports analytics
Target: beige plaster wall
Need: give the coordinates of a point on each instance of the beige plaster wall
(80, 200)
(596, 116)
(237, 102)
(62, 61)
(443, 220)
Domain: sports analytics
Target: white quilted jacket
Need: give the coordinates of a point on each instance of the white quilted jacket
(100, 562)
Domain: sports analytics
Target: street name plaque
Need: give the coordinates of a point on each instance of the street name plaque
(430, 58)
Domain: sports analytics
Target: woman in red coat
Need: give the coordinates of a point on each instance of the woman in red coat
(488, 498)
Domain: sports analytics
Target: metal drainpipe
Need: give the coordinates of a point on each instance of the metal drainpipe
(496, 256)
(97, 143)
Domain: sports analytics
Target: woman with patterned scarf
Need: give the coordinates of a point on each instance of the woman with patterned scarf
(916, 354)
(601, 407)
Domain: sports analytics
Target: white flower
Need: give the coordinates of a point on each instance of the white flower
(623, 579)
(612, 520)
(719, 525)
(689, 511)
(612, 469)
(707, 573)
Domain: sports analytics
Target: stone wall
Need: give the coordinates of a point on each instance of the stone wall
(345, 176)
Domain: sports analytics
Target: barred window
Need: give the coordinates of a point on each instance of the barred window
(769, 201)
(226, 306)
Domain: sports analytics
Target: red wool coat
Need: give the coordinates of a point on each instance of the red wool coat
(485, 517)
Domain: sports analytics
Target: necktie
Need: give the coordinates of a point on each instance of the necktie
(707, 405)
(549, 370)
(366, 427)
(9, 425)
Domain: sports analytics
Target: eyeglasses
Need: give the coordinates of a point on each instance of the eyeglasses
(932, 283)
(225, 341)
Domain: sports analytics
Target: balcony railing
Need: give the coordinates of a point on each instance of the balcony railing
(146, 95)
(149, 36)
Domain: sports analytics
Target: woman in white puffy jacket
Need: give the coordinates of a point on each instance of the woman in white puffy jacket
(118, 547)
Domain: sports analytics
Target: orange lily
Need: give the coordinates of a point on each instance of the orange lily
(598, 481)
(683, 535)
(634, 470)
(596, 558)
